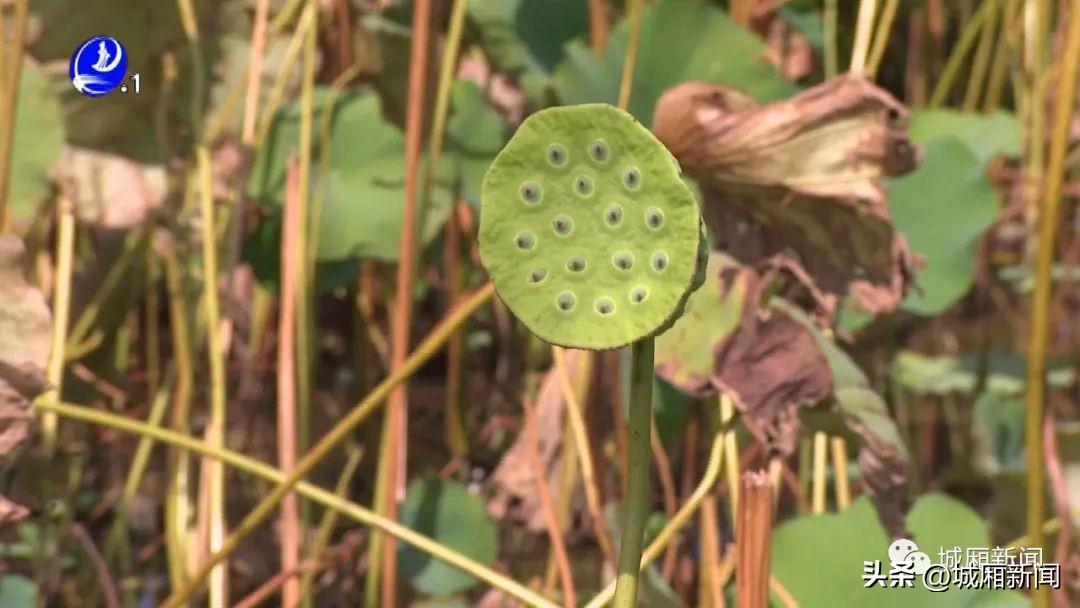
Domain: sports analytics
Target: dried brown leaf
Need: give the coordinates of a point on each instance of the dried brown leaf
(771, 366)
(513, 482)
(111, 191)
(11, 512)
(25, 330)
(800, 179)
(684, 353)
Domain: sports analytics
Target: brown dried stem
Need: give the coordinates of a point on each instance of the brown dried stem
(753, 540)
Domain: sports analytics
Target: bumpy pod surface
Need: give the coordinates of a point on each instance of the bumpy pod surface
(589, 233)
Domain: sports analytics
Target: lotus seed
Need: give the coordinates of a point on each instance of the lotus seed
(631, 178)
(605, 306)
(613, 215)
(659, 261)
(565, 301)
(638, 294)
(531, 192)
(583, 185)
(537, 276)
(562, 225)
(654, 218)
(599, 151)
(557, 155)
(575, 264)
(525, 240)
(623, 260)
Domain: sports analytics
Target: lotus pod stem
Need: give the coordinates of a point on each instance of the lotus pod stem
(594, 241)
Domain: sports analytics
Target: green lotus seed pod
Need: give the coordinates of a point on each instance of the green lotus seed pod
(589, 233)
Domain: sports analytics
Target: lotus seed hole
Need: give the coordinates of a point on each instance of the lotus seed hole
(537, 276)
(659, 261)
(599, 151)
(583, 185)
(605, 306)
(654, 218)
(557, 155)
(562, 225)
(638, 294)
(631, 178)
(623, 260)
(576, 264)
(565, 301)
(525, 240)
(531, 192)
(613, 215)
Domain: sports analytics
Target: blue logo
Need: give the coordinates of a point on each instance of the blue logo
(98, 66)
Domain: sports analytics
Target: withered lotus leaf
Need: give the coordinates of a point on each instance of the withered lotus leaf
(768, 363)
(25, 330)
(883, 457)
(775, 362)
(771, 366)
(800, 179)
(684, 354)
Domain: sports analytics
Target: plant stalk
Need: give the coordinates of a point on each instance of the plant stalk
(287, 370)
(840, 464)
(821, 456)
(341, 431)
(10, 77)
(753, 539)
(829, 20)
(65, 247)
(320, 495)
(731, 452)
(636, 503)
(960, 51)
(864, 27)
(1039, 337)
(326, 526)
(684, 515)
(177, 502)
(396, 427)
(580, 437)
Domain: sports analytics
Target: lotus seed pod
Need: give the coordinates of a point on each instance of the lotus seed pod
(591, 236)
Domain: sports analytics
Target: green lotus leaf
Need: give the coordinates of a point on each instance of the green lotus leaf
(587, 229)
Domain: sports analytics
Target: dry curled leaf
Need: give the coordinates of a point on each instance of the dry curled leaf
(11, 512)
(513, 482)
(111, 191)
(771, 366)
(883, 457)
(800, 179)
(25, 329)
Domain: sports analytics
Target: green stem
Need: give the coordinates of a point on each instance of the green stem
(626, 85)
(1039, 336)
(679, 520)
(177, 506)
(999, 73)
(341, 431)
(881, 37)
(306, 248)
(960, 51)
(326, 526)
(9, 103)
(829, 20)
(981, 63)
(639, 423)
(315, 493)
(65, 247)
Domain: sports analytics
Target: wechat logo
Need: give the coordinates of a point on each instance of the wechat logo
(904, 555)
